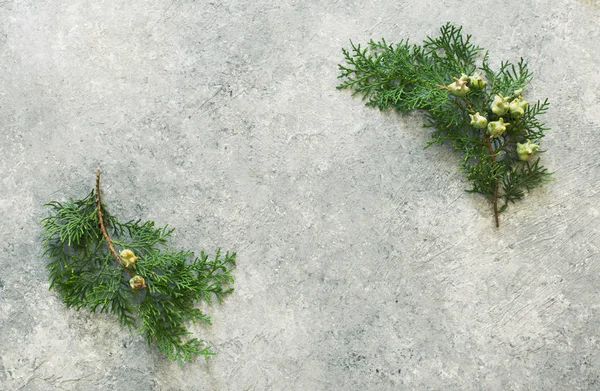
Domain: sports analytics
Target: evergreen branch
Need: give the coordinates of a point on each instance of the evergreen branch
(479, 111)
(82, 270)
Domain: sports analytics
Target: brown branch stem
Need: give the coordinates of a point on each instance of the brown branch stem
(468, 104)
(493, 159)
(104, 233)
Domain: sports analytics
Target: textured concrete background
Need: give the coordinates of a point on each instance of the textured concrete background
(363, 264)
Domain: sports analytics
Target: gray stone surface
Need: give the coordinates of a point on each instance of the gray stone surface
(363, 265)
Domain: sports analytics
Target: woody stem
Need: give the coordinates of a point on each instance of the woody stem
(493, 159)
(103, 229)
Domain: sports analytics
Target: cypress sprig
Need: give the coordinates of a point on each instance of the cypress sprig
(478, 111)
(147, 285)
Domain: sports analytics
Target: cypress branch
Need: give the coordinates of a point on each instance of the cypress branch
(148, 286)
(478, 111)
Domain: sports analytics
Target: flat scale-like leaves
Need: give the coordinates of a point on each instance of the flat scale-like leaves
(84, 273)
(442, 78)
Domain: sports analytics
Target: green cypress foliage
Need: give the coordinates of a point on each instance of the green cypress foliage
(480, 112)
(147, 285)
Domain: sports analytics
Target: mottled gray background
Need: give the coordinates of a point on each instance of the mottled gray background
(363, 264)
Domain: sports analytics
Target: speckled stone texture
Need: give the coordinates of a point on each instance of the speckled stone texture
(363, 264)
